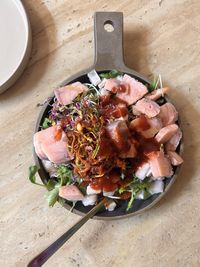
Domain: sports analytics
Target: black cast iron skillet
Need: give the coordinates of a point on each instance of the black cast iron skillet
(108, 56)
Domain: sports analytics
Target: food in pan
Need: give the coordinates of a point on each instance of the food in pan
(113, 137)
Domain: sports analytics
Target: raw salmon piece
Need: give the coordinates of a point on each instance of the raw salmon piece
(131, 153)
(66, 94)
(111, 84)
(140, 124)
(156, 94)
(148, 107)
(119, 133)
(135, 90)
(166, 133)
(155, 126)
(135, 111)
(159, 164)
(174, 158)
(70, 192)
(148, 127)
(54, 150)
(168, 114)
(174, 141)
(38, 148)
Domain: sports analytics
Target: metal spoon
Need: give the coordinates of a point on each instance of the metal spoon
(41, 258)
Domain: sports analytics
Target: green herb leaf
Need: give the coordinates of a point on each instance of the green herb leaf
(65, 175)
(46, 123)
(122, 190)
(32, 172)
(61, 201)
(146, 194)
(52, 196)
(112, 74)
(135, 187)
(51, 184)
(153, 85)
(130, 203)
(82, 189)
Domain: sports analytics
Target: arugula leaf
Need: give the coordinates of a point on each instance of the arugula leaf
(122, 190)
(153, 85)
(65, 175)
(46, 123)
(112, 74)
(130, 203)
(135, 187)
(52, 196)
(82, 189)
(61, 201)
(32, 172)
(51, 184)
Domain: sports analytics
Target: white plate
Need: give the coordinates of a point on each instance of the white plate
(15, 41)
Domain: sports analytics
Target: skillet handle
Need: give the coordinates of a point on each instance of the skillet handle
(108, 44)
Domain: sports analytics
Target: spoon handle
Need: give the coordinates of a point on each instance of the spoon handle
(41, 258)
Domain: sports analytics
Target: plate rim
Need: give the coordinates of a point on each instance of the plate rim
(26, 53)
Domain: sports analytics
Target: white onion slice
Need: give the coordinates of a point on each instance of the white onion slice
(89, 200)
(142, 171)
(94, 77)
(111, 205)
(91, 191)
(156, 187)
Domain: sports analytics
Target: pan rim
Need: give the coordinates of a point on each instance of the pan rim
(41, 172)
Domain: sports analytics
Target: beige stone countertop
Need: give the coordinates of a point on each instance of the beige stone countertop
(160, 36)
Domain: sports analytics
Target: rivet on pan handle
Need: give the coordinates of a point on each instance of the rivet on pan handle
(108, 38)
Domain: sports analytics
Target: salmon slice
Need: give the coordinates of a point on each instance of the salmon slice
(66, 94)
(174, 141)
(159, 164)
(136, 90)
(54, 150)
(70, 192)
(135, 111)
(131, 153)
(140, 124)
(174, 158)
(38, 148)
(111, 84)
(156, 94)
(148, 127)
(168, 114)
(119, 133)
(166, 133)
(131, 90)
(148, 107)
(155, 126)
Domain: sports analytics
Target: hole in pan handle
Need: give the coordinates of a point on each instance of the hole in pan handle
(108, 38)
(108, 43)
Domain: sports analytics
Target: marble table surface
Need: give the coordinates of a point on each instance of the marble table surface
(160, 36)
